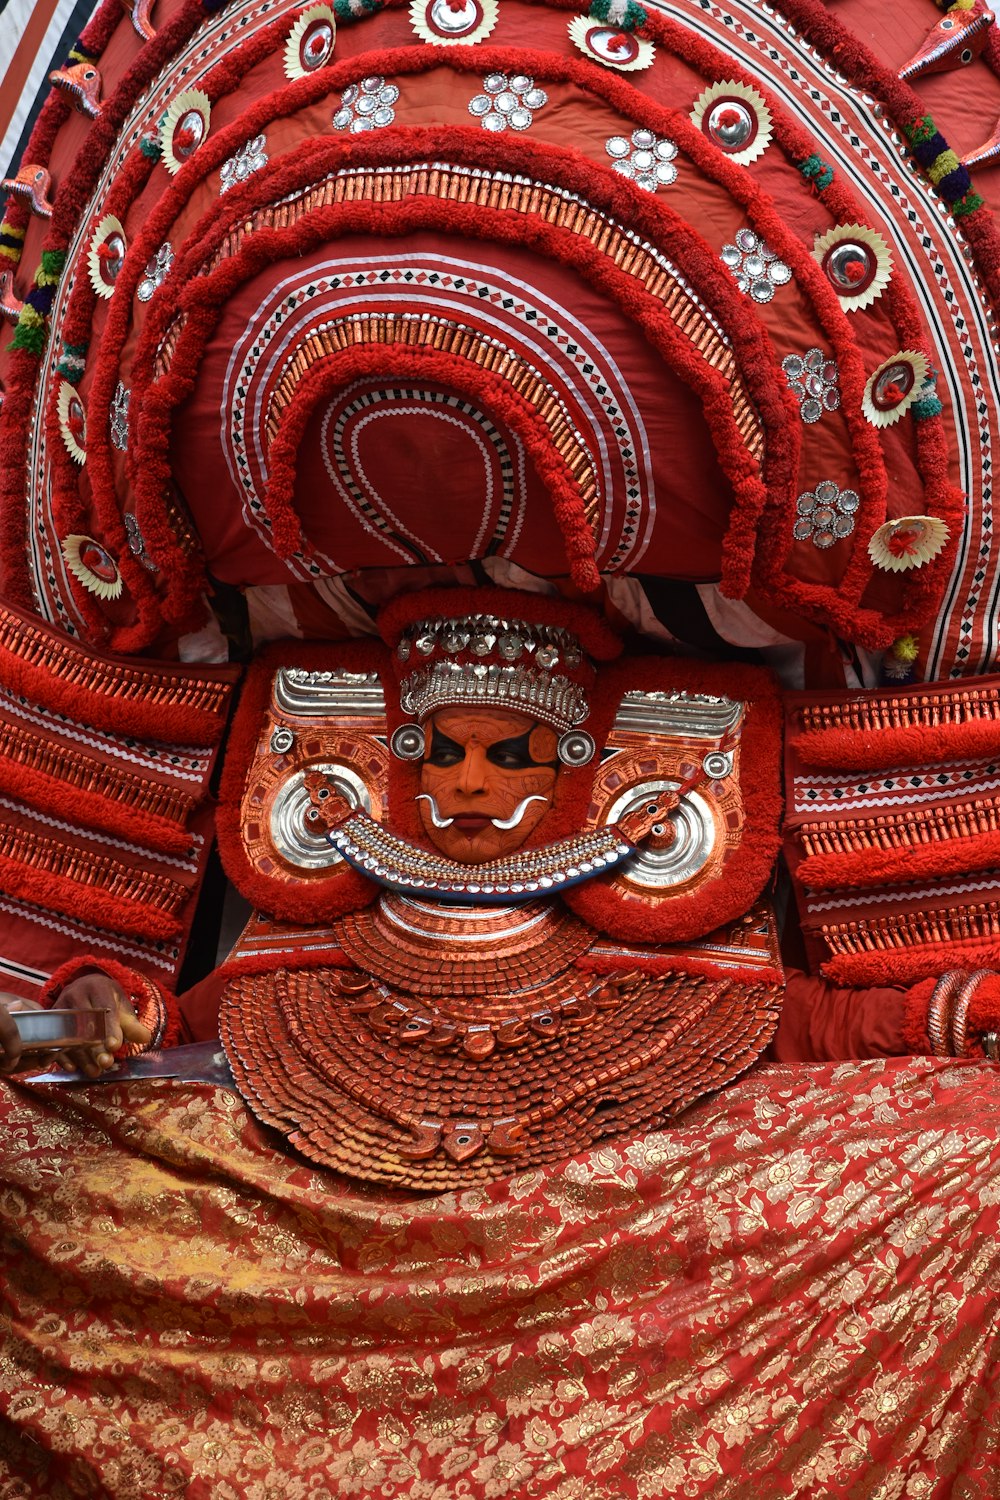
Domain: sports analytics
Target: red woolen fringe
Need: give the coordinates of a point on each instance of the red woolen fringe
(395, 362)
(841, 607)
(14, 580)
(206, 162)
(872, 867)
(149, 453)
(71, 899)
(851, 57)
(620, 94)
(46, 794)
(905, 966)
(120, 696)
(70, 200)
(840, 749)
(71, 505)
(146, 718)
(679, 917)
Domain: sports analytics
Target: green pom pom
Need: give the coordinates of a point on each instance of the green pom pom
(967, 204)
(72, 363)
(926, 406)
(815, 170)
(920, 129)
(631, 17)
(51, 268)
(30, 333)
(150, 146)
(356, 10)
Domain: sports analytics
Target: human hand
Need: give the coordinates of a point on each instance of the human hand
(97, 991)
(10, 1040)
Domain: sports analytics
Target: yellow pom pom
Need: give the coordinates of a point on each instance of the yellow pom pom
(942, 165)
(907, 648)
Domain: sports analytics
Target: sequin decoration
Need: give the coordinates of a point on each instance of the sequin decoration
(119, 418)
(825, 515)
(248, 159)
(367, 105)
(755, 267)
(157, 271)
(814, 380)
(508, 101)
(136, 542)
(643, 159)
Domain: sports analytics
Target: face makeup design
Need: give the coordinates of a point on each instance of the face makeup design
(485, 767)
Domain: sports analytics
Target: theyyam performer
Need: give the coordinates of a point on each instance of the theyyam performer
(501, 940)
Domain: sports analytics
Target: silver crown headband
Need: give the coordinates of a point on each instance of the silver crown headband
(529, 683)
(548, 646)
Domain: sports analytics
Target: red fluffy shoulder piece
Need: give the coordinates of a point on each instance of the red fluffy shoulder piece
(303, 705)
(715, 729)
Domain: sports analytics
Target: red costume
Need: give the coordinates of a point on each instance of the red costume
(667, 324)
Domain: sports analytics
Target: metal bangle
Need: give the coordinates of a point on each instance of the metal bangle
(938, 1010)
(960, 1011)
(990, 1042)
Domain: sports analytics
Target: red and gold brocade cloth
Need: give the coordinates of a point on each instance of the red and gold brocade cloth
(794, 1291)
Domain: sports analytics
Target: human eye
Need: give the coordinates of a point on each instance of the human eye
(443, 752)
(511, 755)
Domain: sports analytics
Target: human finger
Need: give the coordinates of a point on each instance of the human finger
(10, 1042)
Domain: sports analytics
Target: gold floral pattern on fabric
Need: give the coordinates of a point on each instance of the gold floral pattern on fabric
(791, 1292)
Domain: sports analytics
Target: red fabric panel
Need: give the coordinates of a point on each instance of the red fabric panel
(820, 1023)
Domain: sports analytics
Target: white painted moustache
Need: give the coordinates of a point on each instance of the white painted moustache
(502, 823)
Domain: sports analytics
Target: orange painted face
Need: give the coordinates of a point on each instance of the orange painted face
(481, 767)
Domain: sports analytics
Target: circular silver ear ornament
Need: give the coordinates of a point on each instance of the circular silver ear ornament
(298, 843)
(718, 764)
(408, 742)
(281, 740)
(576, 748)
(695, 836)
